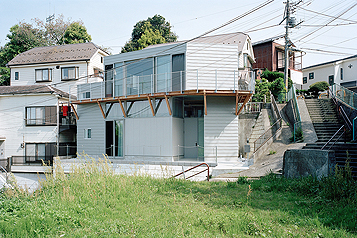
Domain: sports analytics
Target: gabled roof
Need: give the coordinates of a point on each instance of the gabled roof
(330, 62)
(237, 38)
(32, 89)
(268, 40)
(55, 54)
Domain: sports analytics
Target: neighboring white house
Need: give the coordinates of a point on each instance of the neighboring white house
(37, 121)
(61, 66)
(35, 124)
(342, 72)
(169, 102)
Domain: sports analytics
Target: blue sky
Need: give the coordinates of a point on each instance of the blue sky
(110, 22)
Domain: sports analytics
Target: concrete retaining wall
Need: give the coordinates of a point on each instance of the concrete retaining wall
(302, 163)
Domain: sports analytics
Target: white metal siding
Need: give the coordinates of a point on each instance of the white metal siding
(177, 136)
(91, 117)
(206, 59)
(221, 129)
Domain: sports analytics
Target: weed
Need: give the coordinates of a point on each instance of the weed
(272, 152)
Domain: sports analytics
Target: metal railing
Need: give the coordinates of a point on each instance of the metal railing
(185, 171)
(251, 107)
(347, 122)
(344, 94)
(297, 118)
(236, 80)
(271, 131)
(4, 173)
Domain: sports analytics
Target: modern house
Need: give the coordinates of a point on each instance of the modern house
(341, 71)
(170, 102)
(269, 54)
(36, 119)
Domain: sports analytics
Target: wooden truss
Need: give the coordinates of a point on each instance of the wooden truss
(240, 96)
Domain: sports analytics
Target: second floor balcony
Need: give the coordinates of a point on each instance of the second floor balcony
(181, 81)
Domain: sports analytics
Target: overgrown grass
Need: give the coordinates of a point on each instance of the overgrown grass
(94, 202)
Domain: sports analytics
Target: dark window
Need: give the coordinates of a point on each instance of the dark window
(46, 116)
(109, 80)
(331, 80)
(109, 142)
(43, 75)
(304, 80)
(341, 73)
(70, 73)
(178, 68)
(16, 75)
(88, 133)
(36, 152)
(311, 75)
(86, 95)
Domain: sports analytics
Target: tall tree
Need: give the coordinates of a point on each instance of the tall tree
(148, 32)
(25, 36)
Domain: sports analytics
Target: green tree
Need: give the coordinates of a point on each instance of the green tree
(25, 36)
(277, 87)
(271, 76)
(75, 33)
(147, 33)
(261, 89)
(317, 87)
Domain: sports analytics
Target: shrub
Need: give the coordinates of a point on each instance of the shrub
(317, 87)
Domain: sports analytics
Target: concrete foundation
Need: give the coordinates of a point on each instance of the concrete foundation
(302, 163)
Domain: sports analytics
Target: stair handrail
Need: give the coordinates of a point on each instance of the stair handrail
(278, 121)
(196, 166)
(323, 147)
(3, 170)
(340, 109)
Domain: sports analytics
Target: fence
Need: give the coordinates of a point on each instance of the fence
(251, 107)
(345, 95)
(168, 82)
(297, 129)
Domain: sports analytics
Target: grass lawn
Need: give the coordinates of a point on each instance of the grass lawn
(94, 202)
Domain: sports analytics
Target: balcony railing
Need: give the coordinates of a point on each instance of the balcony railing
(242, 80)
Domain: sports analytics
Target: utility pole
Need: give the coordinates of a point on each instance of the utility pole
(286, 48)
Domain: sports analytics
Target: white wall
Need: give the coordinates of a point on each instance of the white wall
(12, 122)
(221, 129)
(322, 72)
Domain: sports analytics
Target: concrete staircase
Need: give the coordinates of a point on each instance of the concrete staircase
(326, 123)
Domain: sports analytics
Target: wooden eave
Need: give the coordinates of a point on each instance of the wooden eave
(241, 97)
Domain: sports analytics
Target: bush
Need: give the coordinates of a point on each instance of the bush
(261, 89)
(317, 87)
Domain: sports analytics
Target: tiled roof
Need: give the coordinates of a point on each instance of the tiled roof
(32, 89)
(57, 53)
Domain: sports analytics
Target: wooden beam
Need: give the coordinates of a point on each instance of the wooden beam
(74, 110)
(158, 105)
(110, 108)
(168, 105)
(245, 101)
(152, 108)
(101, 109)
(122, 108)
(131, 105)
(205, 101)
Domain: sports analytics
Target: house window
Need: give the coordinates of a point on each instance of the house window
(245, 60)
(341, 72)
(331, 80)
(311, 75)
(43, 75)
(86, 95)
(16, 75)
(69, 73)
(36, 152)
(304, 80)
(46, 116)
(88, 133)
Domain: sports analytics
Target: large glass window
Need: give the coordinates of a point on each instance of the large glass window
(119, 79)
(163, 76)
(139, 75)
(43, 75)
(109, 80)
(178, 68)
(69, 73)
(36, 152)
(41, 115)
(114, 138)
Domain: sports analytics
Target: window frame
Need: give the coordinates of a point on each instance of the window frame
(304, 80)
(17, 75)
(49, 75)
(76, 73)
(87, 133)
(341, 74)
(44, 119)
(311, 75)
